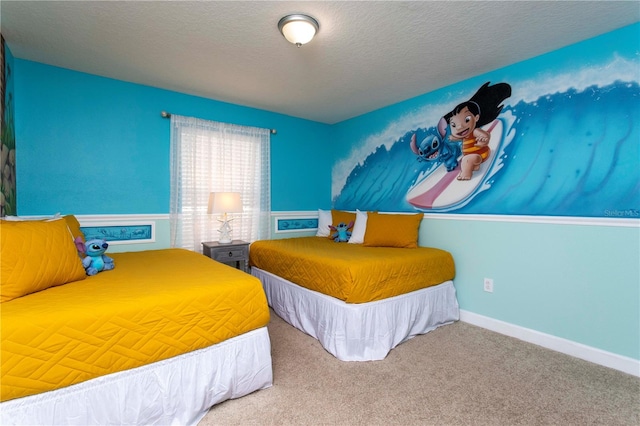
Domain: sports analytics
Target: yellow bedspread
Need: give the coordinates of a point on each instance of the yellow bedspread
(351, 272)
(154, 305)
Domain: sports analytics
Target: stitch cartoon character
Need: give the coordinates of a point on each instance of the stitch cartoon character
(436, 147)
(95, 260)
(341, 232)
(466, 119)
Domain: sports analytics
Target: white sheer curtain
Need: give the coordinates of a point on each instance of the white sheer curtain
(208, 156)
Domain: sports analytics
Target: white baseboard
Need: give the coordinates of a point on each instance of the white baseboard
(568, 347)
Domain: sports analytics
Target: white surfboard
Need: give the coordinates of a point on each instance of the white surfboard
(441, 188)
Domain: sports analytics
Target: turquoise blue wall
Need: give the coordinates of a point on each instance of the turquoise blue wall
(93, 145)
(578, 282)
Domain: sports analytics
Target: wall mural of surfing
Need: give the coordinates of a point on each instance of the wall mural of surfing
(463, 149)
(564, 144)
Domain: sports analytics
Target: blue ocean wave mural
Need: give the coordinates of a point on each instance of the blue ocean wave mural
(573, 152)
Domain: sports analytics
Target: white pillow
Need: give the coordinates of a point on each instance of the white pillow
(324, 221)
(359, 228)
(25, 218)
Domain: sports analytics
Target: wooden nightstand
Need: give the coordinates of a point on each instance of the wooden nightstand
(235, 253)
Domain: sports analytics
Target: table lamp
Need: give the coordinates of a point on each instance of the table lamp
(225, 203)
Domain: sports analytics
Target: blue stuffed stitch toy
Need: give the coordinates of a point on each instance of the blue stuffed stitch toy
(95, 260)
(341, 233)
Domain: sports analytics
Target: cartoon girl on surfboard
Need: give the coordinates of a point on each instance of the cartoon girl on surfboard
(465, 123)
(471, 124)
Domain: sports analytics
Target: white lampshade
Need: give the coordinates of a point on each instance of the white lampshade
(298, 29)
(224, 202)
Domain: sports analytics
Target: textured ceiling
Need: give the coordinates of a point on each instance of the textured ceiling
(367, 54)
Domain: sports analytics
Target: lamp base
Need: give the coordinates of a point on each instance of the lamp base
(225, 232)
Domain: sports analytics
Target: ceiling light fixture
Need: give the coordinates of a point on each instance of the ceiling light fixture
(298, 29)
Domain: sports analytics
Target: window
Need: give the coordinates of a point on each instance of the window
(208, 156)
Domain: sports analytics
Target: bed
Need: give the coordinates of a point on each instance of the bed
(159, 339)
(359, 300)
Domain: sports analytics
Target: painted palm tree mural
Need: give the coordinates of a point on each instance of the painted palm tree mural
(8, 142)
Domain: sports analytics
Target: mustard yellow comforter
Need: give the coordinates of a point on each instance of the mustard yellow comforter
(351, 272)
(154, 305)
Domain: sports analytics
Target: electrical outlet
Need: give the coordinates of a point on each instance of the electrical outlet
(488, 285)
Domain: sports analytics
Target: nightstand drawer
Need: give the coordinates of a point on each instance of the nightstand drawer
(230, 255)
(235, 253)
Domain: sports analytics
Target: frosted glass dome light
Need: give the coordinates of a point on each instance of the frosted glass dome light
(298, 29)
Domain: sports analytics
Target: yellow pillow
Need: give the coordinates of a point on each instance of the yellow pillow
(72, 223)
(338, 216)
(36, 255)
(392, 230)
(74, 226)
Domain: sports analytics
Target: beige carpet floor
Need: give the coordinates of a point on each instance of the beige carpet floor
(456, 375)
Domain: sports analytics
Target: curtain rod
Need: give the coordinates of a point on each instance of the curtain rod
(165, 114)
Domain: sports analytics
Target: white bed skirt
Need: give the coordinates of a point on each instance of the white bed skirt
(176, 391)
(365, 331)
